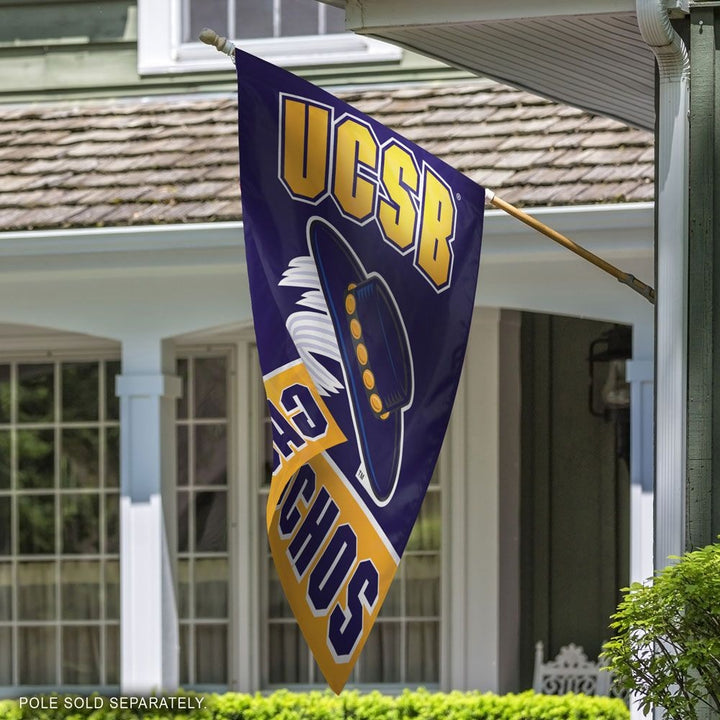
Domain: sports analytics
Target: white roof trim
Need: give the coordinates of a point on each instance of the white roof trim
(135, 238)
(381, 13)
(222, 238)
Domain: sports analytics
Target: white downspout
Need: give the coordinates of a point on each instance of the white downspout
(671, 176)
(671, 257)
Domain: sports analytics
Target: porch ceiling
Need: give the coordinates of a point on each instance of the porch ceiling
(587, 54)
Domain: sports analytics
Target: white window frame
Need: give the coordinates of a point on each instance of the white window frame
(227, 350)
(55, 351)
(161, 52)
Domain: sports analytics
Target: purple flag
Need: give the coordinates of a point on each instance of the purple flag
(362, 254)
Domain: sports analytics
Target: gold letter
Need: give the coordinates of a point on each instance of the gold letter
(437, 227)
(400, 179)
(305, 143)
(354, 144)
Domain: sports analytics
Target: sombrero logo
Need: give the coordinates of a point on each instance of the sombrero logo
(413, 206)
(355, 322)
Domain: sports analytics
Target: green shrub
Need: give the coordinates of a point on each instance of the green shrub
(349, 705)
(667, 637)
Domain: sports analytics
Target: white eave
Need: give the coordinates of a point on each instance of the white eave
(586, 53)
(519, 268)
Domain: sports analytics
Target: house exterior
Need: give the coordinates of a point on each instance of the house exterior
(133, 439)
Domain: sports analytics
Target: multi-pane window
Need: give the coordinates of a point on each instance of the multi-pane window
(255, 19)
(202, 507)
(59, 490)
(289, 33)
(404, 645)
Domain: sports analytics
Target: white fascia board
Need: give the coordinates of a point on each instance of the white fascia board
(133, 238)
(170, 249)
(620, 229)
(523, 270)
(613, 228)
(363, 15)
(218, 237)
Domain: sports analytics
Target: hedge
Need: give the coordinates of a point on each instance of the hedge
(349, 705)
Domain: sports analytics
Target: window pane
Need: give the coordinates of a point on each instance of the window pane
(210, 521)
(422, 596)
(81, 655)
(299, 17)
(112, 590)
(426, 533)
(112, 523)
(36, 590)
(36, 520)
(6, 586)
(5, 459)
(268, 453)
(211, 455)
(211, 653)
(80, 587)
(6, 656)
(112, 654)
(185, 654)
(392, 606)
(278, 606)
(182, 371)
(4, 394)
(205, 13)
(79, 391)
(5, 526)
(112, 457)
(182, 455)
(112, 401)
(80, 532)
(37, 655)
(423, 652)
(35, 393)
(183, 571)
(211, 588)
(79, 459)
(381, 655)
(253, 19)
(36, 458)
(210, 387)
(288, 655)
(183, 530)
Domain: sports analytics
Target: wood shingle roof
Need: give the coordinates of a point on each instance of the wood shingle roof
(174, 160)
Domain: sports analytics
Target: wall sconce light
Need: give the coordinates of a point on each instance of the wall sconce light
(608, 391)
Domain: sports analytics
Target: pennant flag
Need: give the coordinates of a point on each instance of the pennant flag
(362, 257)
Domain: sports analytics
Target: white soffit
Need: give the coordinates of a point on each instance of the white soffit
(597, 62)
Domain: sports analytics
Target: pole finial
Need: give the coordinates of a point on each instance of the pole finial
(210, 37)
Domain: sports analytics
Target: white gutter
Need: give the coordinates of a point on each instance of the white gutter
(128, 238)
(617, 222)
(671, 257)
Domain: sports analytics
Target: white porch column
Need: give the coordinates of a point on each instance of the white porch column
(640, 375)
(483, 606)
(148, 607)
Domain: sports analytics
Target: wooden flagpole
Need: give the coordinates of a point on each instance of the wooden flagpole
(626, 278)
(210, 37)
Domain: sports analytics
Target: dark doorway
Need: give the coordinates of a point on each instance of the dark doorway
(574, 490)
